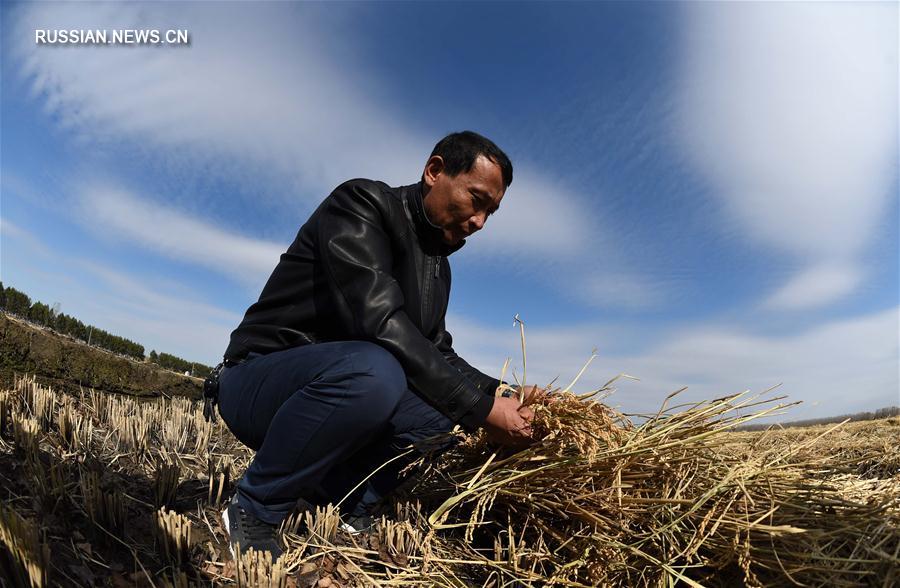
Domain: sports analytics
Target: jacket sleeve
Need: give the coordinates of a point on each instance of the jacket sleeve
(357, 258)
(444, 342)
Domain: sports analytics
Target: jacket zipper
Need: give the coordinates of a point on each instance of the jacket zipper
(426, 289)
(427, 306)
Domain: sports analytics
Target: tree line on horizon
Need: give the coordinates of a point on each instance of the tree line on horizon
(176, 364)
(881, 413)
(20, 304)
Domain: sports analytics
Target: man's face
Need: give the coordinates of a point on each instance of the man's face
(460, 205)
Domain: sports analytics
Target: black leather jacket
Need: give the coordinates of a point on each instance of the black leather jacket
(369, 265)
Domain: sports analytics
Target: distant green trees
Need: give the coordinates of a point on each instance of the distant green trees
(881, 413)
(40, 313)
(15, 302)
(176, 364)
(18, 303)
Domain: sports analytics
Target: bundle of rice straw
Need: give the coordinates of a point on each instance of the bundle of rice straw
(599, 500)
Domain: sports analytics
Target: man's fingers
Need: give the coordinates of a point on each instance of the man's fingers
(514, 428)
(523, 427)
(526, 413)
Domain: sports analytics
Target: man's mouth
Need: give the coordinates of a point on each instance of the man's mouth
(457, 235)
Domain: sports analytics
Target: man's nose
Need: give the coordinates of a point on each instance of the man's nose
(478, 221)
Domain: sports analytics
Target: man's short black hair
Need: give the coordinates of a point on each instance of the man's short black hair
(460, 150)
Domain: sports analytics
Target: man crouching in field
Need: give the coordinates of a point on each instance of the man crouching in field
(344, 361)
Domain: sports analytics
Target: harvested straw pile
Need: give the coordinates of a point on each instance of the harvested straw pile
(598, 500)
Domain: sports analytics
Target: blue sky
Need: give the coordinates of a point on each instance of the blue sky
(706, 193)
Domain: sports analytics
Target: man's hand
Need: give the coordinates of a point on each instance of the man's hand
(509, 423)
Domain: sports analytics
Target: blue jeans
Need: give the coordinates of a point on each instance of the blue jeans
(321, 418)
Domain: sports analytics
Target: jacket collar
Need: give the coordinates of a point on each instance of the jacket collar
(429, 233)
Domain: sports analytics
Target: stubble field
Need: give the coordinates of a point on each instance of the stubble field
(101, 489)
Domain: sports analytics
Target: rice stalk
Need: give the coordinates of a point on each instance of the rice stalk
(38, 401)
(397, 541)
(105, 508)
(25, 431)
(165, 482)
(256, 570)
(173, 536)
(25, 559)
(219, 475)
(322, 523)
(6, 406)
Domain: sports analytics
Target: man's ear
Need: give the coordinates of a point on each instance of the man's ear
(433, 168)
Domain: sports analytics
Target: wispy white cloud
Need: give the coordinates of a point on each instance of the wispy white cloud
(251, 89)
(539, 219)
(169, 320)
(121, 214)
(177, 235)
(816, 286)
(135, 295)
(9, 231)
(837, 367)
(790, 111)
(623, 291)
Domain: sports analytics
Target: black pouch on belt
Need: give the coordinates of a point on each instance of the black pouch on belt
(211, 393)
